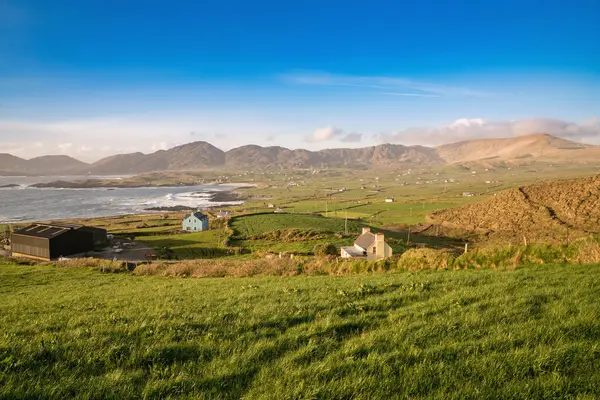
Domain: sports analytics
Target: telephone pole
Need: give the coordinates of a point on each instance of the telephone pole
(346, 224)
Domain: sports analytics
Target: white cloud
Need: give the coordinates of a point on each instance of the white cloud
(330, 133)
(478, 128)
(410, 94)
(64, 146)
(160, 146)
(323, 134)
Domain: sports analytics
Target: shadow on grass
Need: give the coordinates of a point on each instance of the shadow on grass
(182, 249)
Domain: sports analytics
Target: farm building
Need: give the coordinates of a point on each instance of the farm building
(389, 200)
(371, 246)
(195, 222)
(51, 241)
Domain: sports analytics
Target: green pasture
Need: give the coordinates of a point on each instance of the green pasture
(529, 333)
(190, 245)
(251, 225)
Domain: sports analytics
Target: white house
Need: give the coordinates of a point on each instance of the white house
(371, 246)
(223, 214)
(389, 200)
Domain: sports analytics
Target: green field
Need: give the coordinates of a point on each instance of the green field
(533, 332)
(190, 245)
(261, 223)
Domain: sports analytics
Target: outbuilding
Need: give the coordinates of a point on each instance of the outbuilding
(53, 240)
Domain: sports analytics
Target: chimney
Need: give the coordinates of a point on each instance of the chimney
(365, 229)
(380, 246)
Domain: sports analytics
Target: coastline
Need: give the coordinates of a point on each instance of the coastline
(165, 199)
(111, 184)
(218, 197)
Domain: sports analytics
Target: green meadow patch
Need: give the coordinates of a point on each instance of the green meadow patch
(532, 332)
(250, 225)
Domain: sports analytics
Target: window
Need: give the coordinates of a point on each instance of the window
(374, 250)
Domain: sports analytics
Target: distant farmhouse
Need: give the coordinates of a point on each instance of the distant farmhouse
(195, 222)
(371, 246)
(389, 200)
(223, 214)
(51, 241)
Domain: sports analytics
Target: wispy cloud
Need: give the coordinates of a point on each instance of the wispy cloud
(353, 137)
(394, 86)
(410, 94)
(332, 133)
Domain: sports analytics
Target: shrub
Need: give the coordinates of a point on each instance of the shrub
(415, 259)
(325, 249)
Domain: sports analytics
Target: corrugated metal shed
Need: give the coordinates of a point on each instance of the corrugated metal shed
(50, 241)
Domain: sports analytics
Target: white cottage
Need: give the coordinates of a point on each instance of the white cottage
(371, 246)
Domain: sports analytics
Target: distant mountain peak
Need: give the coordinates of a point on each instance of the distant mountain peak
(201, 155)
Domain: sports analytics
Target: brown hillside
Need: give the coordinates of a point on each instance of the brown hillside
(58, 164)
(191, 156)
(538, 146)
(46, 165)
(552, 211)
(11, 163)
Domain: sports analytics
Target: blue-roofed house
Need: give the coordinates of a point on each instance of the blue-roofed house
(195, 222)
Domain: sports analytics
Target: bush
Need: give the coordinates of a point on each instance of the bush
(415, 259)
(325, 249)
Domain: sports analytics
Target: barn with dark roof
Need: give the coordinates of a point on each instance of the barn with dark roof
(53, 240)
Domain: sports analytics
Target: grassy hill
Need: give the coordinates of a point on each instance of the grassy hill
(76, 333)
(556, 211)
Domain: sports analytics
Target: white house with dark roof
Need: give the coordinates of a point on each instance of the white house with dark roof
(368, 245)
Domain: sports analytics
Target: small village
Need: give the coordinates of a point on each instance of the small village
(58, 241)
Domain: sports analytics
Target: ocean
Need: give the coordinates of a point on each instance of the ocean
(25, 204)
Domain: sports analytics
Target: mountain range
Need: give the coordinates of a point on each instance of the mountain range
(203, 156)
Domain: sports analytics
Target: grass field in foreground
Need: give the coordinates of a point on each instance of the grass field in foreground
(528, 333)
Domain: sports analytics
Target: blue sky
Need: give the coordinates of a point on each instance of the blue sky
(91, 78)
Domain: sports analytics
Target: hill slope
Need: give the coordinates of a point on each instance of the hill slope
(46, 165)
(538, 146)
(375, 156)
(552, 211)
(191, 156)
